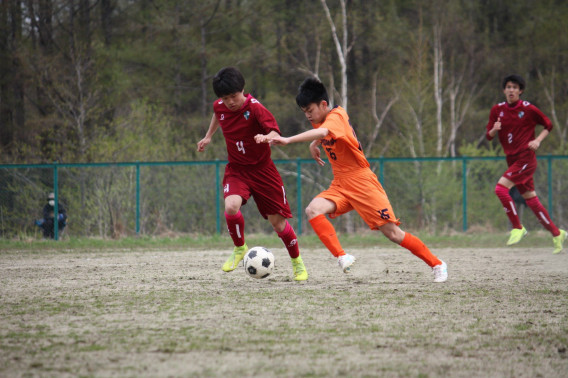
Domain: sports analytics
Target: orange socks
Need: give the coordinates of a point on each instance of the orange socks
(325, 231)
(419, 249)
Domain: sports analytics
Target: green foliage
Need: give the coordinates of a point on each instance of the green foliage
(163, 54)
(134, 83)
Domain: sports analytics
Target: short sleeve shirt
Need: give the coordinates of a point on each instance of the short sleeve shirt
(341, 145)
(239, 128)
(518, 123)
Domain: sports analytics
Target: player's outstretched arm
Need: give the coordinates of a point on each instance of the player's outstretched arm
(306, 136)
(213, 126)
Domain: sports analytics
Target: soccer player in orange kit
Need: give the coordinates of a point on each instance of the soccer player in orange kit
(354, 185)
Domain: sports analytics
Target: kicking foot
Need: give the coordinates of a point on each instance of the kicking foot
(235, 258)
(300, 272)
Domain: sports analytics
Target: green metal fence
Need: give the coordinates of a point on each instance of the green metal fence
(165, 198)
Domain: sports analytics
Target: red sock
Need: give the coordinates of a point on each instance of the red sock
(288, 237)
(503, 193)
(325, 231)
(419, 249)
(236, 227)
(542, 215)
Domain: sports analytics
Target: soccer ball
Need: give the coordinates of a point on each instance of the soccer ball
(259, 262)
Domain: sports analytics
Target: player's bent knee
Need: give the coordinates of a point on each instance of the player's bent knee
(312, 212)
(392, 232)
(501, 190)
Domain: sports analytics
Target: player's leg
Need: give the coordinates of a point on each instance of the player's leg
(371, 202)
(48, 229)
(417, 248)
(502, 192)
(288, 236)
(236, 227)
(235, 219)
(270, 197)
(286, 233)
(406, 240)
(558, 236)
(316, 212)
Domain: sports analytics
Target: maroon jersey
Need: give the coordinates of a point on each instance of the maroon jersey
(518, 123)
(239, 128)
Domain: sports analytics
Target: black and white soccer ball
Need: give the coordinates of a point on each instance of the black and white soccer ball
(259, 262)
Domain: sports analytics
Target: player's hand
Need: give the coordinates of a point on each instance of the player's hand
(260, 138)
(534, 145)
(497, 125)
(202, 144)
(316, 153)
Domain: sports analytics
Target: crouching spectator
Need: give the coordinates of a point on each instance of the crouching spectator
(48, 221)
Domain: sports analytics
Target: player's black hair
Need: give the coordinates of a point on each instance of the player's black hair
(515, 79)
(311, 91)
(227, 81)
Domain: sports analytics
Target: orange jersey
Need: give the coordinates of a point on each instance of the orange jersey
(341, 145)
(354, 185)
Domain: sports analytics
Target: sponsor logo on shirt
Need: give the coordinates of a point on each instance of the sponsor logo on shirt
(521, 114)
(247, 115)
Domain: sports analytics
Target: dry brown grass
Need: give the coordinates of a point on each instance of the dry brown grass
(502, 313)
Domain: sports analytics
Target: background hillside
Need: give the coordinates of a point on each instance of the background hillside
(116, 80)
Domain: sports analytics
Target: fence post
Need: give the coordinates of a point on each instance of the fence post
(464, 192)
(218, 195)
(56, 199)
(381, 169)
(550, 209)
(137, 198)
(299, 194)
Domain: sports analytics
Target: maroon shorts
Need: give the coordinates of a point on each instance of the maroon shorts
(263, 183)
(521, 170)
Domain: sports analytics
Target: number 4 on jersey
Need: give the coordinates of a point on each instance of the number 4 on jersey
(241, 146)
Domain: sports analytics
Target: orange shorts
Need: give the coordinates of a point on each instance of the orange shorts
(363, 193)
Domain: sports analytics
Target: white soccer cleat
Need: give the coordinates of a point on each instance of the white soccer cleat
(440, 272)
(345, 262)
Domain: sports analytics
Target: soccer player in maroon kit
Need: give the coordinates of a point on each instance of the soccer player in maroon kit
(250, 171)
(515, 122)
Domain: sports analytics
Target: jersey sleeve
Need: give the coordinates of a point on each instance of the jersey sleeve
(264, 118)
(492, 119)
(334, 125)
(540, 119)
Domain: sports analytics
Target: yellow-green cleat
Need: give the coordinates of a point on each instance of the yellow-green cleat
(516, 235)
(558, 241)
(300, 272)
(235, 258)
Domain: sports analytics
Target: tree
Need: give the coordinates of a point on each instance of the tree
(342, 47)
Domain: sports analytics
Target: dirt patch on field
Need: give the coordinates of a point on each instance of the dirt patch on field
(503, 312)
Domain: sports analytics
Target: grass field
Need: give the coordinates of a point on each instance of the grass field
(159, 308)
